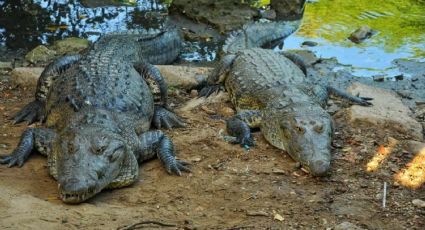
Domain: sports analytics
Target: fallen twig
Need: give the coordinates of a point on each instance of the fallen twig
(141, 223)
(384, 197)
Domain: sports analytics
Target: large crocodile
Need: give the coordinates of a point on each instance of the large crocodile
(269, 91)
(98, 110)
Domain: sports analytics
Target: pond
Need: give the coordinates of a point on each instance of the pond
(400, 25)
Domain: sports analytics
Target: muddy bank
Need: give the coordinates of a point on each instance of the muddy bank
(229, 186)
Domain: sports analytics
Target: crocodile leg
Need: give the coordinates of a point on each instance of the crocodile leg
(165, 118)
(39, 138)
(217, 76)
(240, 126)
(34, 111)
(153, 77)
(156, 142)
(353, 99)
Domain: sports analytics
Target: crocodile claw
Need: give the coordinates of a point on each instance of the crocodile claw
(32, 112)
(178, 167)
(208, 90)
(16, 158)
(167, 119)
(245, 141)
(363, 100)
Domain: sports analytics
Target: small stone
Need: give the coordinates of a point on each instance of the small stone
(3, 146)
(194, 93)
(195, 159)
(309, 43)
(256, 213)
(399, 77)
(361, 34)
(379, 78)
(278, 217)
(418, 203)
(278, 171)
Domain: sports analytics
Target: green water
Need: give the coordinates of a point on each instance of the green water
(400, 25)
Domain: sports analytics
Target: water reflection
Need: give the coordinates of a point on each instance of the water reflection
(29, 23)
(400, 25)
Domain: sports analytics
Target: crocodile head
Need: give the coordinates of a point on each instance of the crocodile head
(305, 136)
(88, 159)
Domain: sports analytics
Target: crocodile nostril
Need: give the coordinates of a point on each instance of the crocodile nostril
(72, 180)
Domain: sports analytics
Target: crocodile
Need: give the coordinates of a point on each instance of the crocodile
(96, 111)
(271, 92)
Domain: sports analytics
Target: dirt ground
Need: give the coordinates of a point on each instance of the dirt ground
(229, 188)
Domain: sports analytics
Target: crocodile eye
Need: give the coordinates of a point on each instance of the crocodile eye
(98, 150)
(318, 128)
(299, 129)
(72, 148)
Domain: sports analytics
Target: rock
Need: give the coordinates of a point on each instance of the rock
(268, 14)
(388, 112)
(226, 15)
(26, 76)
(379, 78)
(5, 65)
(347, 226)
(288, 9)
(175, 76)
(70, 45)
(418, 203)
(40, 54)
(361, 34)
(309, 43)
(183, 76)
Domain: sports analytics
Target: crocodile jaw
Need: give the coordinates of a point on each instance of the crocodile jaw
(75, 197)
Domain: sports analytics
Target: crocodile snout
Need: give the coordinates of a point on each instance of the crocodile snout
(74, 190)
(319, 167)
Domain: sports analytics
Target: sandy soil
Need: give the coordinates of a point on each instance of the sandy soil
(229, 188)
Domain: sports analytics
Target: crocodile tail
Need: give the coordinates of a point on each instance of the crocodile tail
(259, 34)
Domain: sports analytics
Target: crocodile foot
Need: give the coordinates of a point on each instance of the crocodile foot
(364, 100)
(32, 112)
(177, 167)
(240, 130)
(167, 119)
(22, 152)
